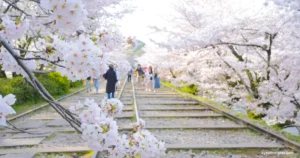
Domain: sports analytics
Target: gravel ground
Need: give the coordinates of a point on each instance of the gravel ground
(147, 113)
(63, 140)
(222, 154)
(187, 121)
(124, 122)
(175, 102)
(210, 137)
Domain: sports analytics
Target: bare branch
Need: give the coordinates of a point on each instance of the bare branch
(16, 7)
(39, 58)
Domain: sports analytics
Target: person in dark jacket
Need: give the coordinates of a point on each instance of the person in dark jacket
(111, 78)
(139, 71)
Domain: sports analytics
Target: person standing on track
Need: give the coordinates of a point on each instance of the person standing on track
(88, 84)
(150, 82)
(140, 73)
(118, 77)
(96, 82)
(129, 75)
(156, 82)
(111, 78)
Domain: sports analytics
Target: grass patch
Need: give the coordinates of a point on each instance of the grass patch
(259, 122)
(133, 118)
(52, 136)
(88, 154)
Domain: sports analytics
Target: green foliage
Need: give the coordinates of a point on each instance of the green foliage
(25, 94)
(191, 89)
(55, 83)
(254, 116)
(76, 84)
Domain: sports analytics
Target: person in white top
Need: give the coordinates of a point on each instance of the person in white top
(96, 82)
(118, 78)
(148, 80)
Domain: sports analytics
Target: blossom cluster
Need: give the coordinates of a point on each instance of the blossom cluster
(100, 131)
(108, 39)
(11, 30)
(82, 59)
(5, 107)
(143, 143)
(66, 14)
(10, 64)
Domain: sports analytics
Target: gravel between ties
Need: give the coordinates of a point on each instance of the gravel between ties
(211, 137)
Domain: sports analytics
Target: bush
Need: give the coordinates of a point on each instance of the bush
(53, 82)
(76, 84)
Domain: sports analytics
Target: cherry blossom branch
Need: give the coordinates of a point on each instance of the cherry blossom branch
(42, 72)
(24, 50)
(240, 44)
(41, 89)
(237, 73)
(21, 130)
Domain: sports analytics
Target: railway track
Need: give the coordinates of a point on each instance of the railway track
(187, 124)
(189, 128)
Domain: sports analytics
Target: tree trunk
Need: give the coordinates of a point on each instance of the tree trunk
(172, 73)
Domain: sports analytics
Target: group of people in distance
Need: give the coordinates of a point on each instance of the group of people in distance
(144, 77)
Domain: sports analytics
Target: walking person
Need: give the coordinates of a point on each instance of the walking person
(140, 73)
(118, 77)
(156, 82)
(96, 82)
(150, 82)
(147, 81)
(88, 84)
(111, 78)
(129, 75)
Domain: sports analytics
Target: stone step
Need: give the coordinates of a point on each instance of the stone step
(20, 142)
(125, 114)
(32, 124)
(27, 155)
(160, 96)
(173, 108)
(216, 127)
(127, 108)
(71, 149)
(176, 116)
(26, 135)
(221, 146)
(167, 103)
(156, 94)
(58, 123)
(57, 129)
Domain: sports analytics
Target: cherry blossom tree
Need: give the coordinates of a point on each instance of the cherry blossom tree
(241, 53)
(75, 38)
